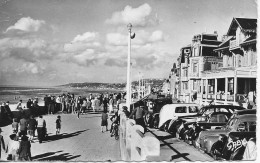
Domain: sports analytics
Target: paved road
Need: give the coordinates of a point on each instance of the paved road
(81, 140)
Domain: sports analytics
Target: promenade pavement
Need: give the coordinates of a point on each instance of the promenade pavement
(80, 140)
(173, 149)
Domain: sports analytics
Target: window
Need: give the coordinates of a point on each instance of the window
(231, 85)
(195, 67)
(239, 61)
(193, 109)
(185, 72)
(185, 85)
(181, 109)
(211, 85)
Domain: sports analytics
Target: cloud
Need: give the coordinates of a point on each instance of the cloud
(28, 49)
(142, 38)
(117, 62)
(140, 16)
(31, 68)
(84, 50)
(116, 39)
(156, 36)
(86, 37)
(26, 24)
(82, 42)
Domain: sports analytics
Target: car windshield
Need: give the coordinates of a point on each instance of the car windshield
(208, 110)
(193, 109)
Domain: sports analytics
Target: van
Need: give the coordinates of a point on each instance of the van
(173, 111)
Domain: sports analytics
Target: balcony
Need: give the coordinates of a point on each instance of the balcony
(184, 78)
(195, 75)
(234, 44)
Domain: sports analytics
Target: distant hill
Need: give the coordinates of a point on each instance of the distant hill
(118, 86)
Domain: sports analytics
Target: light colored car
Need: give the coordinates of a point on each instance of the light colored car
(173, 111)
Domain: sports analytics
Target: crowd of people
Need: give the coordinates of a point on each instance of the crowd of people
(23, 133)
(69, 103)
(24, 128)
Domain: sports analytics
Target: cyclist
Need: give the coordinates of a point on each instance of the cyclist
(115, 121)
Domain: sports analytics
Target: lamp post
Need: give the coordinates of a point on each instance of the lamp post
(139, 88)
(128, 88)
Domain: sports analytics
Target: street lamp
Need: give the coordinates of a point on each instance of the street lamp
(128, 88)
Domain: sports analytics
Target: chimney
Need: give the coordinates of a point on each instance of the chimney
(215, 32)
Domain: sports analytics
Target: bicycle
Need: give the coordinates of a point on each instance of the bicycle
(115, 131)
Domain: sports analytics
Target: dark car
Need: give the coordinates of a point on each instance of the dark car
(242, 123)
(208, 117)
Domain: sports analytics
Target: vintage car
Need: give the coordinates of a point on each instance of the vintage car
(209, 117)
(232, 147)
(171, 112)
(239, 123)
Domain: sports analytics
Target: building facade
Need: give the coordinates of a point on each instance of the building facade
(220, 71)
(235, 81)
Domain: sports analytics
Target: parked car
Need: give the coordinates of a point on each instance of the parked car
(173, 111)
(232, 147)
(208, 117)
(240, 123)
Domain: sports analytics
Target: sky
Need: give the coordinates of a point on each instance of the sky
(54, 42)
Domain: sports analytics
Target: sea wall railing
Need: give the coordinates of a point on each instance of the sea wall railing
(134, 145)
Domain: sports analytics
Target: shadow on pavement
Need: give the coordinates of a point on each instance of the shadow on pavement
(164, 143)
(179, 155)
(48, 157)
(44, 155)
(164, 137)
(63, 136)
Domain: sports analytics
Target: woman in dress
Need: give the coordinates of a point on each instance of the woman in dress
(12, 148)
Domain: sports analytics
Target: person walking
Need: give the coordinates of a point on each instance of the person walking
(63, 103)
(111, 105)
(58, 103)
(58, 124)
(93, 103)
(12, 148)
(104, 117)
(78, 106)
(23, 126)
(41, 128)
(105, 103)
(32, 124)
(2, 142)
(84, 106)
(15, 126)
(139, 113)
(88, 104)
(25, 149)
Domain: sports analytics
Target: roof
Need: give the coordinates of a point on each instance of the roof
(246, 24)
(224, 44)
(249, 40)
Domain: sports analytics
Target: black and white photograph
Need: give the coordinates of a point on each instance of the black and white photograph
(128, 80)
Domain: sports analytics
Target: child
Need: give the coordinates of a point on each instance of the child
(104, 118)
(15, 126)
(58, 125)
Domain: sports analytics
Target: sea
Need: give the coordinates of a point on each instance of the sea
(14, 94)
